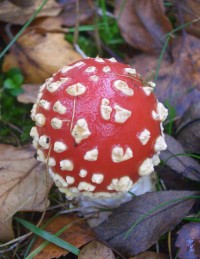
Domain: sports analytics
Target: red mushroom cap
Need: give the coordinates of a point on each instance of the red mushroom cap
(98, 127)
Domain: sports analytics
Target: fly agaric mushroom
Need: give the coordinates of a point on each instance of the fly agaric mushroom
(99, 129)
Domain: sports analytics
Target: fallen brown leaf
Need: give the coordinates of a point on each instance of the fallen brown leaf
(19, 14)
(188, 241)
(150, 255)
(151, 227)
(188, 131)
(69, 13)
(49, 24)
(96, 250)
(143, 23)
(24, 186)
(39, 56)
(78, 233)
(190, 11)
(67, 17)
(178, 78)
(184, 165)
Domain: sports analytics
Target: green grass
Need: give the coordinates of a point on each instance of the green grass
(49, 237)
(108, 31)
(171, 117)
(87, 45)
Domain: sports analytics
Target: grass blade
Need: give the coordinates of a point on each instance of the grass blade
(48, 236)
(161, 205)
(22, 29)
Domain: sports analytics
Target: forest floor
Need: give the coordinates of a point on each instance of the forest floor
(158, 38)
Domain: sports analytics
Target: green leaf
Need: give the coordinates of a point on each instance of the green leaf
(13, 71)
(48, 236)
(9, 84)
(18, 79)
(16, 92)
(16, 75)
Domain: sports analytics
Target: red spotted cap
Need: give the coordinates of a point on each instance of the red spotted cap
(98, 127)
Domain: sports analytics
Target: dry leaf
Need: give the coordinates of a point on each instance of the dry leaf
(188, 131)
(19, 13)
(68, 14)
(30, 92)
(190, 11)
(150, 255)
(67, 18)
(22, 3)
(178, 79)
(151, 227)
(143, 23)
(96, 250)
(49, 24)
(78, 233)
(188, 241)
(24, 185)
(39, 56)
(185, 165)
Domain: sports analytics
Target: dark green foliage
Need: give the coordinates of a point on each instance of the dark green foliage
(13, 81)
(88, 46)
(15, 120)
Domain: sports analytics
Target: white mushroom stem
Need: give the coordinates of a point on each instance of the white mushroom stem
(91, 205)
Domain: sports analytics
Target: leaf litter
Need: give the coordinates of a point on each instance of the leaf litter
(176, 158)
(76, 232)
(146, 28)
(143, 28)
(24, 186)
(155, 220)
(188, 129)
(150, 255)
(97, 250)
(39, 56)
(20, 11)
(188, 241)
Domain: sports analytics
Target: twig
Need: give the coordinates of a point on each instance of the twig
(79, 50)
(100, 13)
(8, 31)
(11, 126)
(16, 240)
(8, 249)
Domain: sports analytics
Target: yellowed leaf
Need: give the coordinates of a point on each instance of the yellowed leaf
(77, 233)
(97, 250)
(39, 56)
(49, 24)
(24, 185)
(19, 14)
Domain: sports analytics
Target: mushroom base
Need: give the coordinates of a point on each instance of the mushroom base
(95, 205)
